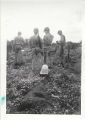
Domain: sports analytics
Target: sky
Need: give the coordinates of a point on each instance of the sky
(25, 15)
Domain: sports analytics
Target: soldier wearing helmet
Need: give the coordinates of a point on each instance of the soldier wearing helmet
(35, 40)
(62, 45)
(35, 43)
(18, 44)
(48, 37)
(47, 40)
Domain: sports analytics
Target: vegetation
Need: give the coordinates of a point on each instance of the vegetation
(57, 93)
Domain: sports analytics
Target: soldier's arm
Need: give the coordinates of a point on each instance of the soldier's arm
(52, 39)
(23, 42)
(41, 43)
(30, 43)
(15, 39)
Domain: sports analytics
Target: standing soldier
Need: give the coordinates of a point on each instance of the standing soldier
(48, 38)
(18, 44)
(62, 46)
(36, 47)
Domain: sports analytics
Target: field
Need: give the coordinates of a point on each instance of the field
(57, 93)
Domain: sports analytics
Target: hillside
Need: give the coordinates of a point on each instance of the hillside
(57, 93)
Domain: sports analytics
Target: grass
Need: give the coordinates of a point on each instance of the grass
(57, 93)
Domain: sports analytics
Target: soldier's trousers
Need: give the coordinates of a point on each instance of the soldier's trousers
(37, 59)
(18, 55)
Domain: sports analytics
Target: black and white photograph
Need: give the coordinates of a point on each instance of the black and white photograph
(43, 41)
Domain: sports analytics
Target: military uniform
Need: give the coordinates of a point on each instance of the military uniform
(47, 47)
(18, 44)
(36, 47)
(62, 46)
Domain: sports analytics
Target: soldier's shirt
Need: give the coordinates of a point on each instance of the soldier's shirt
(62, 39)
(47, 39)
(19, 40)
(35, 41)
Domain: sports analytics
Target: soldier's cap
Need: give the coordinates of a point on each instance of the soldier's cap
(19, 33)
(35, 29)
(60, 31)
(46, 29)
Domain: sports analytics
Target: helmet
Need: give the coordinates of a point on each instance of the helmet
(19, 33)
(59, 32)
(36, 30)
(46, 29)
